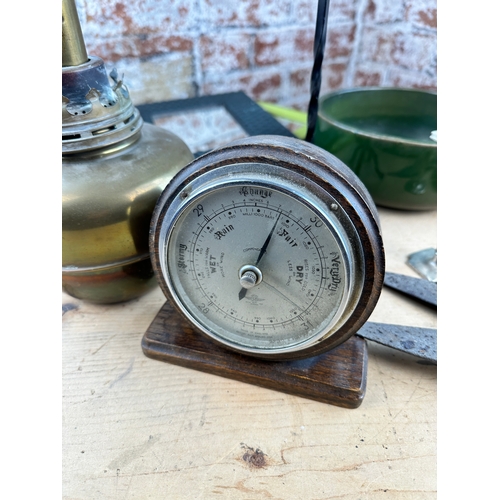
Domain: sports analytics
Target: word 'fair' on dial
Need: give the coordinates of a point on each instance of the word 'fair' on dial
(257, 267)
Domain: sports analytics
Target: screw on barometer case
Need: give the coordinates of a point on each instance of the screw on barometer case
(269, 246)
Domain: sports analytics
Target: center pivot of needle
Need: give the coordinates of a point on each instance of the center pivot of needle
(250, 276)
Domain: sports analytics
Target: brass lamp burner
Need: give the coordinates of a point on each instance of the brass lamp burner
(95, 113)
(114, 168)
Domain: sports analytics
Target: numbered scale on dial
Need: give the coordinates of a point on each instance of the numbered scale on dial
(270, 246)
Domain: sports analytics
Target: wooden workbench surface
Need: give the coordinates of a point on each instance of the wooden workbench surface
(137, 428)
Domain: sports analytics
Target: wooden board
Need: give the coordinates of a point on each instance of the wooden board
(337, 377)
(137, 428)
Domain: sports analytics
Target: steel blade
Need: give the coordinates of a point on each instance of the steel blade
(415, 287)
(421, 342)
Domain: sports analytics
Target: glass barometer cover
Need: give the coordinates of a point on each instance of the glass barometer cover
(270, 246)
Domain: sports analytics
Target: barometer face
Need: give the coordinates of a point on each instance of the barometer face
(258, 257)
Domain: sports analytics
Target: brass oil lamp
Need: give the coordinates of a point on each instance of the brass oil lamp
(114, 167)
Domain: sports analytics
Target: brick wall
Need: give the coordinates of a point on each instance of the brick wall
(171, 49)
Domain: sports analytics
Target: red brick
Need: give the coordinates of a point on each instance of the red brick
(392, 46)
(111, 18)
(342, 10)
(263, 47)
(407, 79)
(259, 85)
(272, 47)
(283, 46)
(367, 78)
(301, 79)
(114, 49)
(377, 45)
(225, 52)
(159, 78)
(176, 43)
(333, 76)
(304, 45)
(245, 13)
(416, 51)
(422, 13)
(384, 11)
(340, 41)
(305, 11)
(299, 91)
(264, 87)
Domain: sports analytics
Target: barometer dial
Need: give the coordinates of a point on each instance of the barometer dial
(261, 258)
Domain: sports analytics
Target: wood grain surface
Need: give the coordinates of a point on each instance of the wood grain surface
(138, 428)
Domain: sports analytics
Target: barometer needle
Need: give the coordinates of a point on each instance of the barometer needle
(268, 239)
(284, 297)
(263, 249)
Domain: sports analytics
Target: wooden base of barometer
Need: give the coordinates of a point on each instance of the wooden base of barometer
(337, 377)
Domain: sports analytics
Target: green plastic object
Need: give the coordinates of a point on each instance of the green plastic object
(384, 136)
(290, 114)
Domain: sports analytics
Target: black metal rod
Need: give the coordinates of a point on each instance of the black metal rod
(319, 50)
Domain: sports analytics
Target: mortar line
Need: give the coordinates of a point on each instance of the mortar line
(353, 61)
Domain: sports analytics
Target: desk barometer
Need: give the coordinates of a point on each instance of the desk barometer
(270, 247)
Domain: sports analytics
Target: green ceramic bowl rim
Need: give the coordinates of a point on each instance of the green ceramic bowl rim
(388, 138)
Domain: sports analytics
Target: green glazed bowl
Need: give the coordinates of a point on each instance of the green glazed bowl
(383, 135)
